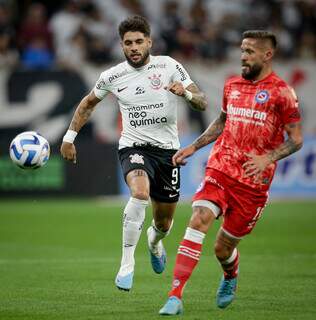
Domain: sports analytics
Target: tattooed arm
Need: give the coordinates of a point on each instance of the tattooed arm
(83, 111)
(258, 163)
(81, 116)
(214, 130)
(198, 100)
(291, 145)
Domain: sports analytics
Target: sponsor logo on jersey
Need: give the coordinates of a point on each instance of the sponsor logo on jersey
(254, 116)
(182, 73)
(138, 115)
(156, 66)
(145, 107)
(155, 81)
(262, 96)
(143, 121)
(117, 75)
(100, 84)
(234, 94)
(140, 90)
(136, 158)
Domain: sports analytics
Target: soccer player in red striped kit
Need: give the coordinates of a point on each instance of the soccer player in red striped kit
(258, 109)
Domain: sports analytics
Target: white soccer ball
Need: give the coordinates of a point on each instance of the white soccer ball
(29, 150)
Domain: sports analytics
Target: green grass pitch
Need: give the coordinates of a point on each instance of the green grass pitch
(59, 258)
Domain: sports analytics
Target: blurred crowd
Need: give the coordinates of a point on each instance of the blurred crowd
(46, 34)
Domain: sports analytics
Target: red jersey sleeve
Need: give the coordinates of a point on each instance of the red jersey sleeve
(288, 105)
(224, 99)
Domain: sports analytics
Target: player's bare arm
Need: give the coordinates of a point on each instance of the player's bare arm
(192, 94)
(81, 116)
(258, 163)
(214, 130)
(83, 111)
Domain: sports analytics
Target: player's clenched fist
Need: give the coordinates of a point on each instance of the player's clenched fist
(68, 151)
(180, 156)
(176, 88)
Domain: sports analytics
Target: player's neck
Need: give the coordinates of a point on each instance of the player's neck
(143, 65)
(263, 74)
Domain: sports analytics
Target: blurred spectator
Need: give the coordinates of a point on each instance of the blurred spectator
(8, 57)
(36, 55)
(5, 19)
(207, 30)
(35, 26)
(169, 25)
(292, 21)
(64, 25)
(99, 33)
(286, 45)
(73, 56)
(116, 11)
(213, 45)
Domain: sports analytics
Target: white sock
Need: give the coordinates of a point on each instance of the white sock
(154, 238)
(194, 235)
(133, 220)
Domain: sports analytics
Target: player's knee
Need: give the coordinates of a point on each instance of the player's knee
(199, 221)
(164, 224)
(141, 194)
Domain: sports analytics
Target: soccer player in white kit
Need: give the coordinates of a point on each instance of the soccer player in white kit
(146, 87)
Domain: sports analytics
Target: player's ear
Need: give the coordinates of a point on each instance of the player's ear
(150, 42)
(268, 54)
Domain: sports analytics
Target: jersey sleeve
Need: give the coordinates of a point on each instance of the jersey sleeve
(179, 74)
(224, 99)
(101, 88)
(288, 105)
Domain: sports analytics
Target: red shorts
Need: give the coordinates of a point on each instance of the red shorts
(241, 206)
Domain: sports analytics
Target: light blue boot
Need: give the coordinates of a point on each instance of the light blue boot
(124, 282)
(172, 307)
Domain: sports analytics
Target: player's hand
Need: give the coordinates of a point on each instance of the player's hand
(176, 88)
(180, 156)
(256, 164)
(68, 151)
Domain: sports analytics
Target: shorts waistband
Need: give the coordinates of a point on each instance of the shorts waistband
(166, 146)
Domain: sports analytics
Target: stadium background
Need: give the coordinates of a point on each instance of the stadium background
(51, 54)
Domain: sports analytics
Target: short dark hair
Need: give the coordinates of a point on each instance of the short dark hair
(134, 23)
(261, 34)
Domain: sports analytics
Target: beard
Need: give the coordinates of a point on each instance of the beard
(253, 72)
(140, 63)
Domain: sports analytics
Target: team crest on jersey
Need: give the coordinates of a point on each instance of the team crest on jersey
(234, 94)
(136, 158)
(262, 96)
(155, 81)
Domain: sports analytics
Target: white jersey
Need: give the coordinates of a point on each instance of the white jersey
(149, 112)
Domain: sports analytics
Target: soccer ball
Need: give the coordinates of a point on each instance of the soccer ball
(29, 150)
